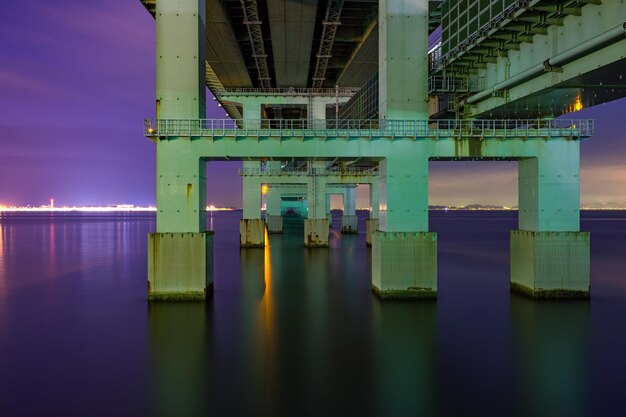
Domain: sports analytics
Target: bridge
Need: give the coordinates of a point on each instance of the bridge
(325, 94)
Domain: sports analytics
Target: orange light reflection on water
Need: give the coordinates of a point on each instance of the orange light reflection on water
(2, 276)
(267, 320)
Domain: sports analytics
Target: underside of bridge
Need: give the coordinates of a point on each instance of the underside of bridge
(281, 46)
(326, 94)
(293, 44)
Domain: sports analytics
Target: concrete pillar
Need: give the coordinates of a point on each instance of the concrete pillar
(348, 217)
(404, 253)
(329, 215)
(251, 113)
(549, 255)
(403, 59)
(181, 189)
(317, 109)
(251, 227)
(316, 224)
(180, 59)
(180, 253)
(273, 218)
(371, 224)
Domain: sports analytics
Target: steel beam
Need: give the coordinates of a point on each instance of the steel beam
(332, 19)
(255, 34)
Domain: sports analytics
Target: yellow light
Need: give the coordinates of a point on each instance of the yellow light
(264, 189)
(578, 104)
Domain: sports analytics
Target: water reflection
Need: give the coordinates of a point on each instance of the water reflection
(405, 337)
(552, 356)
(52, 254)
(296, 331)
(180, 353)
(2, 267)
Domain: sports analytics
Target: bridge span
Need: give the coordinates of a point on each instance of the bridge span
(326, 94)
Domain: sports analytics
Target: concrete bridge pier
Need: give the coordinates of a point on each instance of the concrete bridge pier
(273, 218)
(329, 215)
(252, 227)
(316, 224)
(348, 217)
(371, 224)
(550, 257)
(404, 252)
(180, 253)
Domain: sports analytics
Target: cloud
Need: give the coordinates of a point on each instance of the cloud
(14, 81)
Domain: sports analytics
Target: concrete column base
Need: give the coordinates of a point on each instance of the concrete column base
(252, 233)
(371, 225)
(316, 233)
(404, 265)
(348, 224)
(274, 223)
(550, 264)
(180, 266)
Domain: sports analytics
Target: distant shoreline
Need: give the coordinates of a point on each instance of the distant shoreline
(133, 209)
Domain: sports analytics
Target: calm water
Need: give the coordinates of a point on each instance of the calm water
(295, 331)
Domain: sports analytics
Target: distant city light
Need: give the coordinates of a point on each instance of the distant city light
(51, 208)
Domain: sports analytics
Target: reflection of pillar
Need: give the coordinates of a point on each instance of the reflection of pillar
(549, 255)
(251, 227)
(179, 355)
(316, 224)
(180, 253)
(371, 224)
(273, 219)
(407, 358)
(348, 217)
(553, 357)
(404, 253)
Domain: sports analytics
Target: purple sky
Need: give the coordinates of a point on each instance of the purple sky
(77, 79)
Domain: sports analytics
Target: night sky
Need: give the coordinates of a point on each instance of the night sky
(77, 78)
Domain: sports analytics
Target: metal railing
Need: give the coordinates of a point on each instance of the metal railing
(332, 92)
(443, 84)
(364, 128)
(362, 171)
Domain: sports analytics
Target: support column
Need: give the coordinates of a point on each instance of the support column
(403, 59)
(316, 224)
(550, 257)
(273, 218)
(371, 224)
(180, 59)
(180, 253)
(404, 252)
(329, 214)
(251, 227)
(251, 113)
(317, 109)
(348, 217)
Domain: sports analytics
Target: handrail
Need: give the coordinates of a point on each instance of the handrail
(361, 171)
(501, 128)
(340, 91)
